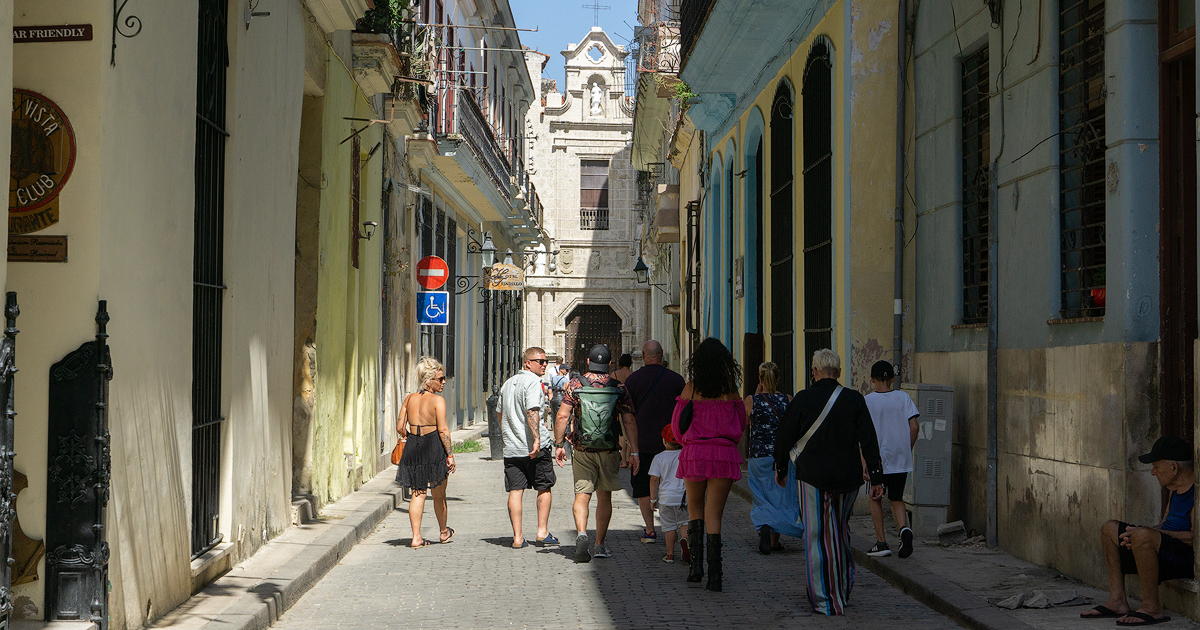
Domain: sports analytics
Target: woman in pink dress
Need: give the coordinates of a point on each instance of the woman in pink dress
(709, 462)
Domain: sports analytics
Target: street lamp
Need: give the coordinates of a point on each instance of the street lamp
(489, 250)
(641, 271)
(643, 276)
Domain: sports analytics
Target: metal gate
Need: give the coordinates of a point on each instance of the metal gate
(78, 470)
(8, 496)
(590, 325)
(818, 205)
(783, 324)
(208, 284)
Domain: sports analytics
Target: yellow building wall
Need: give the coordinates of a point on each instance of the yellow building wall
(344, 448)
(863, 188)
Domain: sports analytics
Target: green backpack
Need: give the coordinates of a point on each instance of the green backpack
(597, 427)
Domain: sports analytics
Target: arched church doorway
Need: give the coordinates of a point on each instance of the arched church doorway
(587, 326)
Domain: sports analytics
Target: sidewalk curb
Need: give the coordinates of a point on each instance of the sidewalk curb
(262, 605)
(954, 602)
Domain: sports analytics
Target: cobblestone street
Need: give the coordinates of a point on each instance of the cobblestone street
(478, 581)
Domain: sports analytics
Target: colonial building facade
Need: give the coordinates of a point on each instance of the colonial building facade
(584, 292)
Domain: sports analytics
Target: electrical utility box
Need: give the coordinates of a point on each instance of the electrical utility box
(928, 489)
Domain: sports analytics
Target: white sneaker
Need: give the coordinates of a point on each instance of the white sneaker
(906, 542)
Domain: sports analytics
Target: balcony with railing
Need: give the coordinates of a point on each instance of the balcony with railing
(593, 218)
(466, 120)
(658, 47)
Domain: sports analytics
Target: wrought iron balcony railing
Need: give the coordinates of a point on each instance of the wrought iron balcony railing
(658, 49)
(468, 121)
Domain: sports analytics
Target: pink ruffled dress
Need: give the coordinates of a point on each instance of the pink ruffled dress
(710, 446)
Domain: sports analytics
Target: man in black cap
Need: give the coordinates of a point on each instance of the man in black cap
(597, 400)
(1155, 554)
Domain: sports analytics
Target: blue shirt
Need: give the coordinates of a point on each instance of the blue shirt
(1179, 511)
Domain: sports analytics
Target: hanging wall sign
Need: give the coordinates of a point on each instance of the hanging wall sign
(502, 277)
(43, 154)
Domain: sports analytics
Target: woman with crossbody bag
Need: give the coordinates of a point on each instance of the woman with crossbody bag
(776, 510)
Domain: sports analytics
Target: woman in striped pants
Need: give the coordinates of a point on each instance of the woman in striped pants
(823, 431)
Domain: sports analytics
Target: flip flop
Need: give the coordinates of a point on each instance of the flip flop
(447, 539)
(1146, 620)
(1104, 612)
(424, 543)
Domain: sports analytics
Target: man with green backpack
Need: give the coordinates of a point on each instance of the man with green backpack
(597, 402)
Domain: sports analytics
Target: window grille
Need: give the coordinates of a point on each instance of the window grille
(593, 195)
(1081, 158)
(451, 262)
(976, 157)
(818, 204)
(439, 239)
(208, 273)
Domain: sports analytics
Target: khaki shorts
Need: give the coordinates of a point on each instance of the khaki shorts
(596, 472)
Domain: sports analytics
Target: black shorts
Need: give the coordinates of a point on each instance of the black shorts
(1174, 557)
(640, 483)
(894, 483)
(522, 473)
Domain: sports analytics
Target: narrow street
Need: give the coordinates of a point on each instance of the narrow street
(478, 581)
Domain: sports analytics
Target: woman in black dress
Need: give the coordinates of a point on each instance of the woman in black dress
(428, 455)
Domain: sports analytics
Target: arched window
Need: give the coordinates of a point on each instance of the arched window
(818, 203)
(783, 327)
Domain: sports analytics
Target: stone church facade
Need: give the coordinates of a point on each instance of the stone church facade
(579, 159)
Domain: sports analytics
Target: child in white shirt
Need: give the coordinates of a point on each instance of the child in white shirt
(895, 419)
(667, 495)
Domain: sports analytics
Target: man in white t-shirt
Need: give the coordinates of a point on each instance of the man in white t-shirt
(528, 461)
(895, 419)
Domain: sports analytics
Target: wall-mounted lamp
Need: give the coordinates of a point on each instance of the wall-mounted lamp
(368, 229)
(642, 272)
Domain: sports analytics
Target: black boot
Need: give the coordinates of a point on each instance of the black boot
(714, 563)
(696, 546)
(764, 540)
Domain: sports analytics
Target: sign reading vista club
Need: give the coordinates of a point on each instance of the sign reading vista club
(43, 154)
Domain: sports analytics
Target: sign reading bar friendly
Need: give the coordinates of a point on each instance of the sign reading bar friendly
(43, 155)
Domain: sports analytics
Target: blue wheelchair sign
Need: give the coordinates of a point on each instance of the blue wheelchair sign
(433, 308)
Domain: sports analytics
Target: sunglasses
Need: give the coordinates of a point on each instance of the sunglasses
(542, 361)
(441, 379)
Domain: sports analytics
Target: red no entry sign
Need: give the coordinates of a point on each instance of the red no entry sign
(432, 272)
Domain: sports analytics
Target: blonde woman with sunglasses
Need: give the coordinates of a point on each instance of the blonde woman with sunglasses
(428, 454)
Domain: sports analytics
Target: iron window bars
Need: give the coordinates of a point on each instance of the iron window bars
(593, 194)
(1081, 158)
(976, 158)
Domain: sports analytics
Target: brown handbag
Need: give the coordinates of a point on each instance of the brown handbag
(398, 452)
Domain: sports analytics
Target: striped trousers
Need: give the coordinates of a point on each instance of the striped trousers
(830, 567)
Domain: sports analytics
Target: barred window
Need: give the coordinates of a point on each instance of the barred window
(1081, 158)
(593, 195)
(976, 157)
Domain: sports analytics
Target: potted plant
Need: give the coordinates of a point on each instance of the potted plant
(1098, 281)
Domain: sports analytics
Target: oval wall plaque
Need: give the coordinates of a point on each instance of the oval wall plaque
(43, 154)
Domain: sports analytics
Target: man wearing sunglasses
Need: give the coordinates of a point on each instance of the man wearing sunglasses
(528, 461)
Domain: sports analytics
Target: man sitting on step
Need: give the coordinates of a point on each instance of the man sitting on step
(1155, 554)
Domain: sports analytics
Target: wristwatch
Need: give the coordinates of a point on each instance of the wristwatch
(558, 444)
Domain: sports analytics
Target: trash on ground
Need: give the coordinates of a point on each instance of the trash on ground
(1039, 599)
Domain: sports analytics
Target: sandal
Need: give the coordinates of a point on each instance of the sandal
(1102, 612)
(1146, 619)
(447, 538)
(424, 543)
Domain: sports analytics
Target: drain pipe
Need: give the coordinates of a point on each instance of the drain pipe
(898, 289)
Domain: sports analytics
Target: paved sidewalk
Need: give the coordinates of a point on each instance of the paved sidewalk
(957, 581)
(256, 592)
(478, 581)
